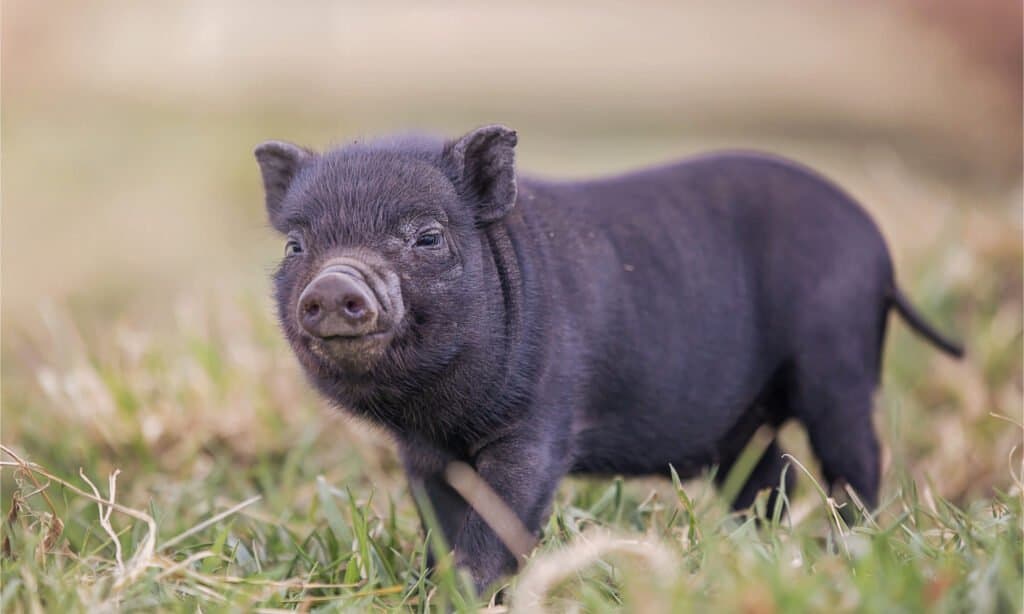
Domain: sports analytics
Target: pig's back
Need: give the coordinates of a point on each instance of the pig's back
(683, 285)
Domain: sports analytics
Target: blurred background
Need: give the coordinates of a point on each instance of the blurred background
(136, 327)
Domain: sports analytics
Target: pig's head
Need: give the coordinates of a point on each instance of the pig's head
(382, 269)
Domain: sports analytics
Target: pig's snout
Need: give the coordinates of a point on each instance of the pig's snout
(338, 303)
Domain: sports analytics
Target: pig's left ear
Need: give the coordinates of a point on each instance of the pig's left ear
(279, 162)
(483, 162)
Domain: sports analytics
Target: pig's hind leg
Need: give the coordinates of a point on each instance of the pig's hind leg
(767, 414)
(836, 378)
(766, 475)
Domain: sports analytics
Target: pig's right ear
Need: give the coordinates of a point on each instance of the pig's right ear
(279, 162)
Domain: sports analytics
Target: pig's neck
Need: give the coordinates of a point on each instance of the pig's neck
(516, 294)
(489, 382)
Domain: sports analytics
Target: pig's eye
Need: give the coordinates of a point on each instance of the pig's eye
(431, 238)
(292, 247)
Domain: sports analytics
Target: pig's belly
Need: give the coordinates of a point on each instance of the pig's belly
(636, 443)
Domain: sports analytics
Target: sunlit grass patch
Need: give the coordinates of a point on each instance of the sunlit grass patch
(342, 552)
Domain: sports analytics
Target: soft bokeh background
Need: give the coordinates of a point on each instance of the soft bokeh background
(128, 126)
(136, 332)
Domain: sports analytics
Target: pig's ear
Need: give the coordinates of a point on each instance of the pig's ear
(484, 163)
(279, 162)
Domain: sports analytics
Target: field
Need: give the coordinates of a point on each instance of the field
(161, 449)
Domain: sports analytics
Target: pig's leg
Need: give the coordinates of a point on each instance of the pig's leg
(836, 373)
(846, 444)
(424, 469)
(447, 508)
(835, 407)
(767, 474)
(523, 471)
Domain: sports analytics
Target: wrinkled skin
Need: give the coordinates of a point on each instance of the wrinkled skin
(534, 329)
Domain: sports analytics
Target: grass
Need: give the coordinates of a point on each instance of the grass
(236, 489)
(223, 484)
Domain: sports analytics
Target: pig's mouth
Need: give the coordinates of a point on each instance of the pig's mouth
(355, 355)
(356, 338)
(349, 343)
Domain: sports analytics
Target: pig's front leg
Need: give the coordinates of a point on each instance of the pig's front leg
(510, 480)
(521, 473)
(424, 469)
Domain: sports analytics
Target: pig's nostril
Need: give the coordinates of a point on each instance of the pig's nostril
(354, 306)
(312, 309)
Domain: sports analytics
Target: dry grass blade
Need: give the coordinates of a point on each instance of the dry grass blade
(1016, 470)
(104, 514)
(1016, 475)
(491, 508)
(546, 571)
(865, 513)
(40, 488)
(144, 554)
(1015, 423)
(292, 584)
(833, 508)
(387, 590)
(209, 522)
(12, 518)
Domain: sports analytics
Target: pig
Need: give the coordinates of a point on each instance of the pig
(534, 328)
